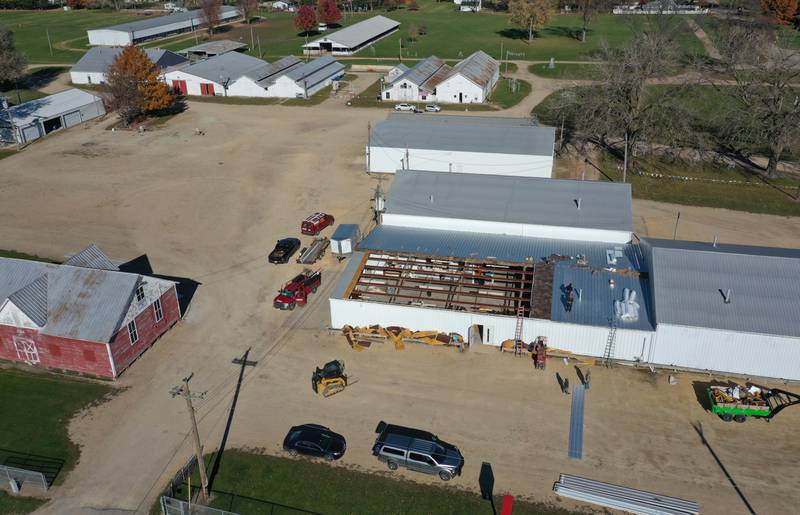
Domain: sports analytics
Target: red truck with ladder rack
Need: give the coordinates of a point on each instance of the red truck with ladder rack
(296, 291)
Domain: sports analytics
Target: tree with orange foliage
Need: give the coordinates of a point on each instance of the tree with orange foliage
(305, 19)
(210, 10)
(78, 4)
(133, 87)
(328, 12)
(783, 11)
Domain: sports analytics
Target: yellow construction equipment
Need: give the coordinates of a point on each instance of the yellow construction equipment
(330, 379)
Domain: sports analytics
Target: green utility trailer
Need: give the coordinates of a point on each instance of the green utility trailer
(773, 401)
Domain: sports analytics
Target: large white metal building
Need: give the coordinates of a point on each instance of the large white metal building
(686, 305)
(351, 39)
(461, 144)
(27, 122)
(158, 27)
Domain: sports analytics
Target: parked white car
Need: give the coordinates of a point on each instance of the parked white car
(405, 107)
(432, 108)
(322, 27)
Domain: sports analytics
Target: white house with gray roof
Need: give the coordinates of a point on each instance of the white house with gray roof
(351, 39)
(91, 69)
(461, 144)
(432, 80)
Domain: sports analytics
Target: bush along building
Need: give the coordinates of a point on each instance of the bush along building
(83, 316)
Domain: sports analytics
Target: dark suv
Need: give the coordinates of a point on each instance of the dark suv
(418, 450)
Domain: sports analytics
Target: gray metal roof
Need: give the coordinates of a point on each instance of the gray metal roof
(359, 33)
(92, 257)
(464, 134)
(98, 59)
(225, 12)
(479, 68)
(502, 198)
(267, 74)
(218, 47)
(32, 300)
(50, 106)
(495, 247)
(596, 304)
(229, 66)
(82, 303)
(422, 71)
(689, 280)
(316, 71)
(347, 275)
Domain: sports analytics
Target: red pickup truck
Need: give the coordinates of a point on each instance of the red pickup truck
(296, 291)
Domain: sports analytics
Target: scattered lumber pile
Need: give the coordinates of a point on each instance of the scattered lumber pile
(360, 338)
(737, 395)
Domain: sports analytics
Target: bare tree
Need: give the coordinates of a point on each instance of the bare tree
(765, 98)
(247, 8)
(620, 106)
(589, 9)
(211, 10)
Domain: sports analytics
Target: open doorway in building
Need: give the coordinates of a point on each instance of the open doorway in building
(475, 334)
(460, 97)
(51, 125)
(326, 46)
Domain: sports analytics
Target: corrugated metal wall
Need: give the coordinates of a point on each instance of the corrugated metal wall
(727, 351)
(584, 340)
(388, 159)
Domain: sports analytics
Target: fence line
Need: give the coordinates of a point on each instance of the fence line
(698, 179)
(172, 506)
(24, 476)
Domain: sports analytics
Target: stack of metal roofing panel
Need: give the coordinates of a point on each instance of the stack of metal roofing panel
(622, 498)
(576, 423)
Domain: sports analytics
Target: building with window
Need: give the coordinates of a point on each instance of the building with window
(432, 80)
(83, 316)
(156, 27)
(91, 69)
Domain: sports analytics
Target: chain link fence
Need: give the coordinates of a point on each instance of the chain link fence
(171, 506)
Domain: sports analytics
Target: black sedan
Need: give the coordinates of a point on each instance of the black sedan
(314, 440)
(284, 250)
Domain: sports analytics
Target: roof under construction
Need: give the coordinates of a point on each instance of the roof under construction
(519, 200)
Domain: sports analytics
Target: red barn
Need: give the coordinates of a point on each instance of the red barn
(85, 315)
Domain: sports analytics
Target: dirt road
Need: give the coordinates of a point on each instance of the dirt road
(210, 208)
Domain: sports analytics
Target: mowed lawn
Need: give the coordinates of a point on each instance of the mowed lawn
(449, 34)
(67, 30)
(36, 409)
(248, 483)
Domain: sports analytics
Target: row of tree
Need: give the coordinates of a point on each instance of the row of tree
(758, 79)
(308, 17)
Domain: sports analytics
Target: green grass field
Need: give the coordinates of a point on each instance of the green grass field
(504, 97)
(246, 480)
(36, 410)
(776, 197)
(449, 34)
(67, 29)
(18, 505)
(566, 71)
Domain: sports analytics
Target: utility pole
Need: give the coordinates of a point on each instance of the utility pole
(625, 162)
(408, 165)
(675, 231)
(369, 145)
(260, 55)
(184, 392)
(252, 40)
(400, 44)
(47, 31)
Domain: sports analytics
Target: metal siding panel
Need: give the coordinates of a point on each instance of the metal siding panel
(728, 351)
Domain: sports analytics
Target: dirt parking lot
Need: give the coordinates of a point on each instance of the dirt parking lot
(210, 208)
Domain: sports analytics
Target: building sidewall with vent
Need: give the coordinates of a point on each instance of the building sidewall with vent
(390, 159)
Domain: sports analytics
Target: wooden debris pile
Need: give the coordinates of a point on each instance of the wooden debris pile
(360, 338)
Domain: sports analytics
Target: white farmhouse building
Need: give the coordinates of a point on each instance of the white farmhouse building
(91, 69)
(470, 81)
(461, 144)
